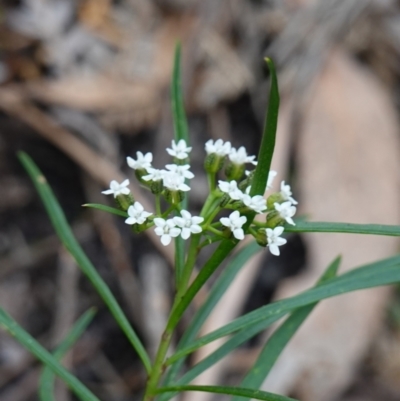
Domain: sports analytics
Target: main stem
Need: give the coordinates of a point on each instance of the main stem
(173, 320)
(158, 366)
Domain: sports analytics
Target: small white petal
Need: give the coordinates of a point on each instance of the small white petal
(274, 249)
(225, 221)
(165, 239)
(185, 233)
(174, 232)
(195, 229)
(238, 233)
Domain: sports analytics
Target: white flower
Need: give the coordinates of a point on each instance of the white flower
(274, 240)
(180, 170)
(271, 175)
(218, 147)
(257, 203)
(175, 182)
(239, 156)
(136, 214)
(179, 150)
(166, 229)
(286, 193)
(154, 174)
(118, 189)
(189, 224)
(231, 189)
(235, 222)
(286, 210)
(142, 162)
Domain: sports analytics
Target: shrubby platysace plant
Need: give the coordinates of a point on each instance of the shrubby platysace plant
(232, 192)
(241, 202)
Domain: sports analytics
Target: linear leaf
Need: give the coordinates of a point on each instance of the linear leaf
(105, 208)
(279, 339)
(268, 139)
(244, 392)
(178, 106)
(241, 337)
(64, 232)
(181, 132)
(375, 274)
(46, 382)
(36, 349)
(326, 227)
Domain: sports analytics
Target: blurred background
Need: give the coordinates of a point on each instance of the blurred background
(85, 83)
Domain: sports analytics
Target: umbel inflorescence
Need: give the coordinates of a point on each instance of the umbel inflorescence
(230, 194)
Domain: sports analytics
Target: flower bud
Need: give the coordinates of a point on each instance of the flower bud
(124, 201)
(139, 173)
(225, 199)
(213, 163)
(156, 187)
(234, 171)
(274, 198)
(274, 219)
(261, 238)
(243, 185)
(174, 197)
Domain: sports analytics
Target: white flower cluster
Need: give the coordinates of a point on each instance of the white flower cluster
(184, 225)
(174, 175)
(233, 193)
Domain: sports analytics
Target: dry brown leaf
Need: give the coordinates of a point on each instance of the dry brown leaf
(348, 166)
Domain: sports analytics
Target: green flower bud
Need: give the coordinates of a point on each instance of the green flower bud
(261, 238)
(213, 163)
(156, 187)
(234, 171)
(139, 173)
(174, 197)
(124, 201)
(274, 198)
(274, 219)
(225, 199)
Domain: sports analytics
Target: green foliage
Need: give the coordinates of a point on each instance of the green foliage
(243, 328)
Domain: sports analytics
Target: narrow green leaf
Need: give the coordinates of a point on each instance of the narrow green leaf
(40, 353)
(46, 382)
(326, 227)
(244, 392)
(64, 232)
(105, 208)
(372, 275)
(268, 139)
(215, 294)
(178, 106)
(181, 132)
(280, 338)
(241, 337)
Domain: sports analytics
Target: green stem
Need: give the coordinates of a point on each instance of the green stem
(168, 211)
(211, 181)
(173, 320)
(215, 231)
(158, 204)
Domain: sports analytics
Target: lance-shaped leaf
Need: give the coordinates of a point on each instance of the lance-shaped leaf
(277, 342)
(44, 356)
(244, 392)
(380, 273)
(65, 234)
(327, 227)
(268, 139)
(181, 132)
(47, 378)
(107, 209)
